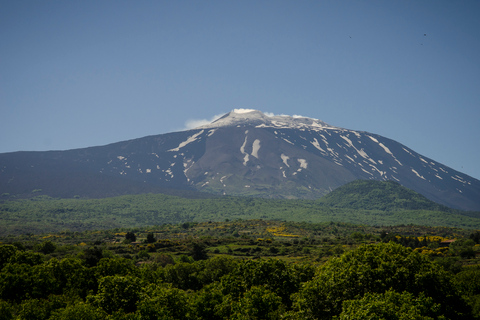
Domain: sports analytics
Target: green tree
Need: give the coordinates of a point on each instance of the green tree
(198, 252)
(475, 237)
(14, 282)
(27, 257)
(164, 259)
(377, 269)
(73, 277)
(468, 283)
(115, 266)
(117, 293)
(47, 247)
(150, 238)
(463, 248)
(21, 281)
(276, 275)
(6, 252)
(207, 301)
(357, 236)
(390, 305)
(164, 303)
(215, 268)
(43, 282)
(259, 303)
(79, 311)
(92, 256)
(183, 275)
(36, 309)
(6, 310)
(130, 236)
(143, 255)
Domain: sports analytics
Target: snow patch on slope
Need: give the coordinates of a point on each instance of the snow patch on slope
(255, 148)
(362, 153)
(285, 159)
(386, 149)
(316, 144)
(417, 174)
(303, 163)
(189, 140)
(242, 150)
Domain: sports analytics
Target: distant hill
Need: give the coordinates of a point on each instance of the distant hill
(378, 195)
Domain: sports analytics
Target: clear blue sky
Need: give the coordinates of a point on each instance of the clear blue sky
(83, 73)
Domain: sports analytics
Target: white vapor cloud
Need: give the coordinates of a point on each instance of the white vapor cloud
(271, 114)
(243, 110)
(193, 123)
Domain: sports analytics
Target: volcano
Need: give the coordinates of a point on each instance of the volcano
(243, 153)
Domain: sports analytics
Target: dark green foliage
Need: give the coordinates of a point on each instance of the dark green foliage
(468, 283)
(150, 238)
(275, 275)
(385, 206)
(215, 268)
(475, 237)
(164, 259)
(6, 252)
(40, 309)
(367, 281)
(258, 303)
(21, 281)
(378, 195)
(79, 311)
(47, 247)
(27, 257)
(115, 266)
(6, 310)
(198, 252)
(377, 269)
(73, 277)
(117, 293)
(207, 302)
(183, 275)
(463, 248)
(92, 256)
(451, 264)
(391, 305)
(165, 303)
(13, 285)
(34, 309)
(130, 236)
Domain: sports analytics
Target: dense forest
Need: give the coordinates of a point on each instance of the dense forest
(43, 214)
(243, 269)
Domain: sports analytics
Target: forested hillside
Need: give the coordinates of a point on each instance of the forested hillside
(381, 204)
(379, 195)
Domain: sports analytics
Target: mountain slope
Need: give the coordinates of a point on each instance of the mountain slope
(245, 152)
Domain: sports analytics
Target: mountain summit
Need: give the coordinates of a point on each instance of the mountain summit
(245, 152)
(255, 118)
